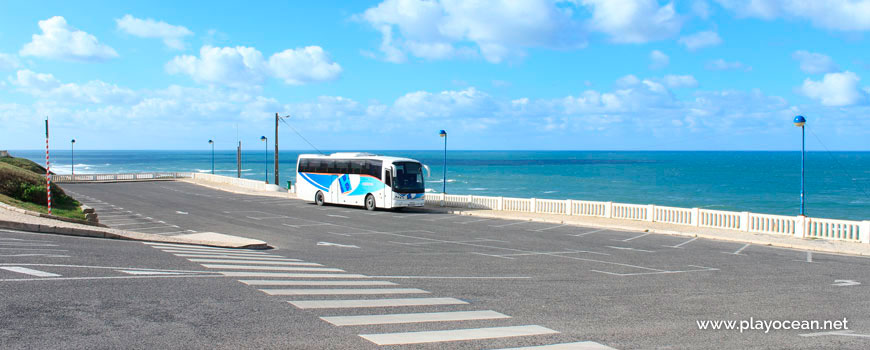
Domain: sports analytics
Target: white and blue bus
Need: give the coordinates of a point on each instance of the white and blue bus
(362, 179)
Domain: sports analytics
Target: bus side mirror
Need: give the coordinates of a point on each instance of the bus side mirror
(428, 171)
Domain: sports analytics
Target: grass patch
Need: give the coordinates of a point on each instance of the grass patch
(25, 188)
(25, 164)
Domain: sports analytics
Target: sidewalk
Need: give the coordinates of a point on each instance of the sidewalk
(238, 189)
(837, 247)
(18, 221)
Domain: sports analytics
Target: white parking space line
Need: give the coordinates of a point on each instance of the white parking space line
(681, 244)
(340, 304)
(307, 225)
(338, 216)
(632, 238)
(315, 283)
(586, 233)
(271, 268)
(362, 320)
(290, 275)
(455, 335)
(513, 223)
(27, 271)
(472, 221)
(227, 256)
(547, 228)
(631, 249)
(156, 227)
(581, 345)
(737, 252)
(26, 244)
(344, 291)
(660, 272)
(41, 249)
(262, 262)
(445, 216)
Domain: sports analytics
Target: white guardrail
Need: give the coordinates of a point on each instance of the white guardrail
(120, 177)
(797, 226)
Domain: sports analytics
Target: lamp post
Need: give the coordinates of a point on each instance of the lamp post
(266, 158)
(800, 121)
(211, 142)
(444, 135)
(73, 157)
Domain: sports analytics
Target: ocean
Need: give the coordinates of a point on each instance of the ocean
(837, 183)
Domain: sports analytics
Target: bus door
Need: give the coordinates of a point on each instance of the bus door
(387, 201)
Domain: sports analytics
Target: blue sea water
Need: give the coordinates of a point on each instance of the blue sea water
(837, 183)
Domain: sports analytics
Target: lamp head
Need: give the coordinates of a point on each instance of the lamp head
(443, 133)
(73, 141)
(210, 141)
(799, 121)
(262, 138)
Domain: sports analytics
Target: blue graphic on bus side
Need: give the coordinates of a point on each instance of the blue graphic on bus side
(344, 183)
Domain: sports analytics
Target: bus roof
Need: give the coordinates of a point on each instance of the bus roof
(359, 155)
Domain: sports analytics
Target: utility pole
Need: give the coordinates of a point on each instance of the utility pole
(276, 149)
(239, 160)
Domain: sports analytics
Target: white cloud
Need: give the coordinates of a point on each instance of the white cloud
(721, 64)
(60, 41)
(835, 89)
(172, 35)
(46, 86)
(8, 62)
(497, 29)
(242, 66)
(700, 40)
(844, 15)
(815, 63)
(658, 59)
(701, 8)
(680, 81)
(468, 103)
(634, 21)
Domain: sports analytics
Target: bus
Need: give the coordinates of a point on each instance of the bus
(364, 179)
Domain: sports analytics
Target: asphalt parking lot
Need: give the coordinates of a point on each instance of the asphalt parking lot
(433, 280)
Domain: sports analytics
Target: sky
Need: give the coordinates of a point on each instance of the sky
(497, 75)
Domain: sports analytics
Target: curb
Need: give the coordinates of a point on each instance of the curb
(53, 217)
(789, 245)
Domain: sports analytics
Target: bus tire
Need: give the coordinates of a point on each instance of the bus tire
(370, 202)
(318, 198)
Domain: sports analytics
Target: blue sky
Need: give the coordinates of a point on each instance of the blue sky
(536, 74)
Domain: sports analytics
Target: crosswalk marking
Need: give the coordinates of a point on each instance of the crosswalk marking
(455, 335)
(315, 283)
(262, 262)
(344, 291)
(337, 304)
(290, 275)
(580, 345)
(414, 318)
(271, 268)
(271, 257)
(27, 271)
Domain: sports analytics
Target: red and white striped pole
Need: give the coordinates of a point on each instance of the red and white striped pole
(47, 168)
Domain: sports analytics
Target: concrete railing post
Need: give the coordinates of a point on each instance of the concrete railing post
(569, 207)
(608, 210)
(865, 231)
(800, 225)
(470, 201)
(696, 217)
(534, 205)
(650, 212)
(744, 221)
(500, 203)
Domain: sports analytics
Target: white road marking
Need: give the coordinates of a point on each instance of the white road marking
(156, 227)
(455, 335)
(809, 256)
(290, 275)
(344, 291)
(181, 212)
(681, 244)
(48, 249)
(200, 251)
(27, 271)
(216, 255)
(100, 278)
(632, 249)
(547, 228)
(581, 345)
(362, 320)
(336, 245)
(339, 304)
(472, 221)
(845, 283)
(315, 283)
(26, 244)
(270, 268)
(338, 216)
(510, 256)
(263, 262)
(843, 333)
(45, 255)
(139, 272)
(307, 225)
(737, 252)
(632, 238)
(699, 269)
(194, 246)
(513, 223)
(456, 277)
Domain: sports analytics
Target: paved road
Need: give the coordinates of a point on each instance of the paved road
(346, 278)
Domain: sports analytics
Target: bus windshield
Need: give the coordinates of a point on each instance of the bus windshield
(408, 177)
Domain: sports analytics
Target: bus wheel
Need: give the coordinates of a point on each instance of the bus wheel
(370, 202)
(318, 198)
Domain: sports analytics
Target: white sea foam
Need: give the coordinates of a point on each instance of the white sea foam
(477, 189)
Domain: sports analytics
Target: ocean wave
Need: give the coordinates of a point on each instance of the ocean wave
(550, 191)
(450, 181)
(477, 189)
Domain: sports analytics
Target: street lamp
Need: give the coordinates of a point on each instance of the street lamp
(800, 121)
(211, 142)
(73, 156)
(266, 158)
(444, 135)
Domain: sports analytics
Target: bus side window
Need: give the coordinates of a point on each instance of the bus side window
(388, 179)
(342, 166)
(356, 166)
(374, 168)
(330, 166)
(303, 166)
(318, 165)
